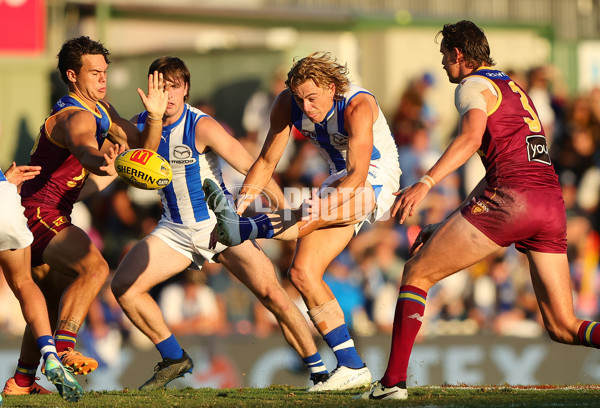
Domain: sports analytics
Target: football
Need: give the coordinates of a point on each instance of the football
(144, 168)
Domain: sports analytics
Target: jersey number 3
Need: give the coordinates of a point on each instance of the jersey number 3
(533, 122)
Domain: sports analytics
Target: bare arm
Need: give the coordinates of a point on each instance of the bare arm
(468, 141)
(77, 131)
(209, 133)
(96, 183)
(277, 138)
(359, 118)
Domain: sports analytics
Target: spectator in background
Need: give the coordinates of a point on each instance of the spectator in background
(416, 155)
(256, 119)
(413, 110)
(538, 81)
(191, 307)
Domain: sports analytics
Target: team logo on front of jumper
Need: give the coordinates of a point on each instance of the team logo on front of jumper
(308, 134)
(537, 149)
(182, 154)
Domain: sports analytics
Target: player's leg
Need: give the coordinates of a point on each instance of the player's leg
(150, 262)
(72, 255)
(314, 253)
(17, 270)
(252, 267)
(24, 380)
(552, 285)
(335, 207)
(16, 267)
(456, 245)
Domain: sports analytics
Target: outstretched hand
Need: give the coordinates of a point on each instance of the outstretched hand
(156, 101)
(408, 199)
(19, 174)
(109, 159)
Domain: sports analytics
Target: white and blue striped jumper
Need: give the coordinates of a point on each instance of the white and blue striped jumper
(183, 199)
(331, 137)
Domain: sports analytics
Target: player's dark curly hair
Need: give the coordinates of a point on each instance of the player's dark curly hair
(71, 52)
(173, 69)
(470, 39)
(323, 69)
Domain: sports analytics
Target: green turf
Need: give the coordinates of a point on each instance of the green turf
(283, 396)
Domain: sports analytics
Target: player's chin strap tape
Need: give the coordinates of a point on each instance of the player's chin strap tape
(327, 316)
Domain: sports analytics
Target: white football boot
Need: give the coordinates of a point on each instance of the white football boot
(344, 378)
(228, 221)
(380, 392)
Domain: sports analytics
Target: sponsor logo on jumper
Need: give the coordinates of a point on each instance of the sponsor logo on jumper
(537, 149)
(182, 154)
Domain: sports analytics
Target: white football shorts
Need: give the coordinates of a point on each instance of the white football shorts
(190, 240)
(384, 180)
(14, 233)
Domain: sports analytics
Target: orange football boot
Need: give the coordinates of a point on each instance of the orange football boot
(77, 362)
(11, 388)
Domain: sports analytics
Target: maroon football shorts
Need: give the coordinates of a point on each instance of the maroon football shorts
(44, 223)
(532, 219)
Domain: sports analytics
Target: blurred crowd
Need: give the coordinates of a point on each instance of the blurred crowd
(494, 296)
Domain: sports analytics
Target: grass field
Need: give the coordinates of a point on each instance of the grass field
(282, 396)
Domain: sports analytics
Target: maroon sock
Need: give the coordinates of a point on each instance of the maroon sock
(64, 339)
(589, 334)
(25, 374)
(407, 322)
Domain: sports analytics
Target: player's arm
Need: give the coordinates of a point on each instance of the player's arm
(359, 119)
(123, 131)
(473, 103)
(277, 138)
(209, 133)
(96, 183)
(76, 129)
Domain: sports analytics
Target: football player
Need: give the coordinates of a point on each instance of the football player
(68, 266)
(194, 142)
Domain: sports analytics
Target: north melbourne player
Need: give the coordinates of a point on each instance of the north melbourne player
(346, 124)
